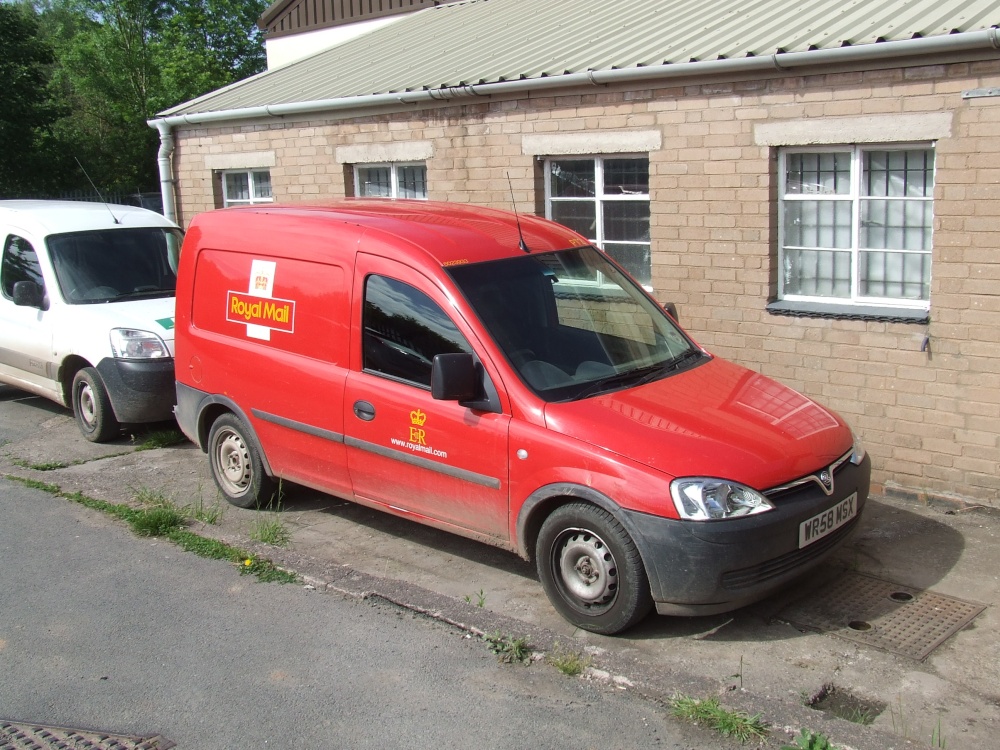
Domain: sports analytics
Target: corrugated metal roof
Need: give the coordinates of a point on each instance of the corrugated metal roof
(488, 41)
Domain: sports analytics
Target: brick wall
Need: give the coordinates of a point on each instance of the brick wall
(929, 414)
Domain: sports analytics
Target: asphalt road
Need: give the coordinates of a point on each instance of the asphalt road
(101, 629)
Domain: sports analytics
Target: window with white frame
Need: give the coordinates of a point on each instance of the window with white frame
(606, 199)
(855, 225)
(395, 180)
(243, 187)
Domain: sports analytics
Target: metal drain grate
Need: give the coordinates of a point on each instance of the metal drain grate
(14, 736)
(888, 616)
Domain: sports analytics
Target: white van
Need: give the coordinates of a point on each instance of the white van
(87, 309)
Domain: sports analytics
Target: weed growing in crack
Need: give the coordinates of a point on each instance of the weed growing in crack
(480, 599)
(268, 526)
(569, 662)
(809, 740)
(508, 649)
(737, 724)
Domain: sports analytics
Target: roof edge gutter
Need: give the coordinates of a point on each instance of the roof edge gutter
(779, 61)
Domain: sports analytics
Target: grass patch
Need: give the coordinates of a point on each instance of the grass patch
(46, 466)
(571, 663)
(509, 650)
(270, 531)
(156, 521)
(159, 439)
(160, 518)
(737, 724)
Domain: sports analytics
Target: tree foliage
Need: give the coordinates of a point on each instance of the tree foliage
(96, 71)
(26, 109)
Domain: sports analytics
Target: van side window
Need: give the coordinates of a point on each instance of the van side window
(19, 264)
(403, 330)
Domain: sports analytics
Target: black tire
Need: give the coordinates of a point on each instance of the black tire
(236, 464)
(591, 570)
(92, 407)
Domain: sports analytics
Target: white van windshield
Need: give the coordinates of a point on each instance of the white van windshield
(114, 265)
(572, 324)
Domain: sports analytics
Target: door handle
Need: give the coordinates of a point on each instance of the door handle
(364, 410)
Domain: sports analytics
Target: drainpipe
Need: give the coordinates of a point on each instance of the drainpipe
(165, 166)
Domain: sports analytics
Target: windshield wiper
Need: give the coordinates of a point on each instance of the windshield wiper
(142, 293)
(641, 375)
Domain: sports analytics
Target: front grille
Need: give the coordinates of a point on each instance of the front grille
(744, 578)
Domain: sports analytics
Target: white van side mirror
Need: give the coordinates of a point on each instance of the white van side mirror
(29, 294)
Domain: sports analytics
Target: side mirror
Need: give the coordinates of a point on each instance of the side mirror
(455, 377)
(671, 309)
(29, 294)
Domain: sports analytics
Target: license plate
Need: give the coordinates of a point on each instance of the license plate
(828, 521)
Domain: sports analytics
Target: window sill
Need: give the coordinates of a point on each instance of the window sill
(847, 312)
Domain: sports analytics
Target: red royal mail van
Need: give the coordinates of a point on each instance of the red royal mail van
(504, 380)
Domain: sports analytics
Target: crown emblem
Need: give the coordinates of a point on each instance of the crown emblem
(260, 282)
(417, 417)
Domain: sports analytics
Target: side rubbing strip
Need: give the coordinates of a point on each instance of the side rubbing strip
(425, 463)
(291, 424)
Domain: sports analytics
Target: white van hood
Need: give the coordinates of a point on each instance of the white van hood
(153, 315)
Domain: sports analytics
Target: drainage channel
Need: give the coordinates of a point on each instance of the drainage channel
(19, 736)
(885, 615)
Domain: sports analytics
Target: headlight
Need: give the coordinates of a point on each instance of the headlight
(705, 499)
(128, 343)
(858, 452)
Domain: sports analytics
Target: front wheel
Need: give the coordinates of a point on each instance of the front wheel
(591, 569)
(92, 407)
(236, 465)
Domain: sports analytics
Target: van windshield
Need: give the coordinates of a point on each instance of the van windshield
(113, 265)
(572, 325)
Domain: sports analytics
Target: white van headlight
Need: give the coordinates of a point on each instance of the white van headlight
(129, 343)
(706, 499)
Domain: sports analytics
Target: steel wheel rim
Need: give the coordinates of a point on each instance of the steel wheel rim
(586, 569)
(87, 405)
(233, 459)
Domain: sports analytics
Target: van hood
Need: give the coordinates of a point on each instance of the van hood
(153, 315)
(717, 420)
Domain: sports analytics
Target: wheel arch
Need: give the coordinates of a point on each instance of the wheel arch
(213, 407)
(68, 369)
(543, 501)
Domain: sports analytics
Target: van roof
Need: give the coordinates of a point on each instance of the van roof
(450, 233)
(55, 217)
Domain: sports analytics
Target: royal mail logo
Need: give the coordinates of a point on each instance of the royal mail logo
(417, 417)
(257, 307)
(267, 312)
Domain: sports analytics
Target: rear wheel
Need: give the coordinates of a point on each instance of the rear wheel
(236, 464)
(591, 569)
(92, 407)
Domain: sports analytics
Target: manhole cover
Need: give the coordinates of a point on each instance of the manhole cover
(14, 736)
(900, 619)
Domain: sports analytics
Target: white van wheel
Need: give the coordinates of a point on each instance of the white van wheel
(591, 570)
(236, 464)
(92, 407)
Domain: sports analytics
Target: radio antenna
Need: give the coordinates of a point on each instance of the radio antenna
(117, 220)
(520, 243)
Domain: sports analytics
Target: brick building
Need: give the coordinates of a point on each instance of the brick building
(819, 193)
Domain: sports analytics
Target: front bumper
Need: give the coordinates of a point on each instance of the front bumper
(705, 567)
(140, 390)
